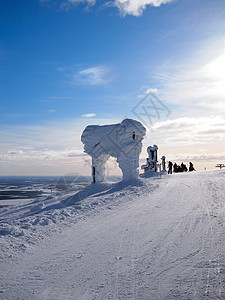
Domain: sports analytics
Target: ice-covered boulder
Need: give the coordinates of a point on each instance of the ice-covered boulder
(122, 141)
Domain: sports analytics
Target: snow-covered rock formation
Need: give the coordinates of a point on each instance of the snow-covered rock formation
(122, 141)
(163, 158)
(151, 161)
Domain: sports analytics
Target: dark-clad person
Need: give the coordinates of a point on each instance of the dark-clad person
(170, 167)
(191, 167)
(183, 167)
(175, 168)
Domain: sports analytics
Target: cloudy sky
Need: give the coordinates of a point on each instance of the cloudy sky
(65, 64)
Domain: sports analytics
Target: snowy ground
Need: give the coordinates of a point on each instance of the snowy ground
(156, 239)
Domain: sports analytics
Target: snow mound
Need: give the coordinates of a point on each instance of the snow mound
(65, 208)
(6, 229)
(86, 192)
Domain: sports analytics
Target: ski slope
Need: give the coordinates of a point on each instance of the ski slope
(156, 238)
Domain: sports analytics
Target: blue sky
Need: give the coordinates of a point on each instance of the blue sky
(66, 64)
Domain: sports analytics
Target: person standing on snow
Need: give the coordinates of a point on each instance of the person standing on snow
(170, 167)
(183, 167)
(191, 167)
(175, 168)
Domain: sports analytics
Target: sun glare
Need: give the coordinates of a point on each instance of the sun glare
(216, 68)
(214, 72)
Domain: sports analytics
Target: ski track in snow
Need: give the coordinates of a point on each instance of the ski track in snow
(159, 239)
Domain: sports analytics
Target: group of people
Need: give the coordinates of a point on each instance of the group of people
(179, 168)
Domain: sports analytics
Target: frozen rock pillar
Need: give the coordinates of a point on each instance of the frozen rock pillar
(122, 141)
(152, 153)
(98, 168)
(163, 163)
(128, 161)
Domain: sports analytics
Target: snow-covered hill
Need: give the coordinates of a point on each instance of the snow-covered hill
(156, 238)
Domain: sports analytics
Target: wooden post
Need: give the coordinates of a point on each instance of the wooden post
(93, 174)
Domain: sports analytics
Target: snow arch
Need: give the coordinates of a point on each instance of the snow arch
(122, 141)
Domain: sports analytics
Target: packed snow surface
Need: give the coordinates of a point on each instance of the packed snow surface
(154, 238)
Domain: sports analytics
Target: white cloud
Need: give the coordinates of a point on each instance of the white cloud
(201, 157)
(39, 156)
(190, 131)
(91, 115)
(151, 90)
(126, 7)
(91, 76)
(53, 148)
(40, 150)
(96, 75)
(89, 2)
(148, 91)
(67, 5)
(51, 111)
(136, 7)
(199, 88)
(201, 140)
